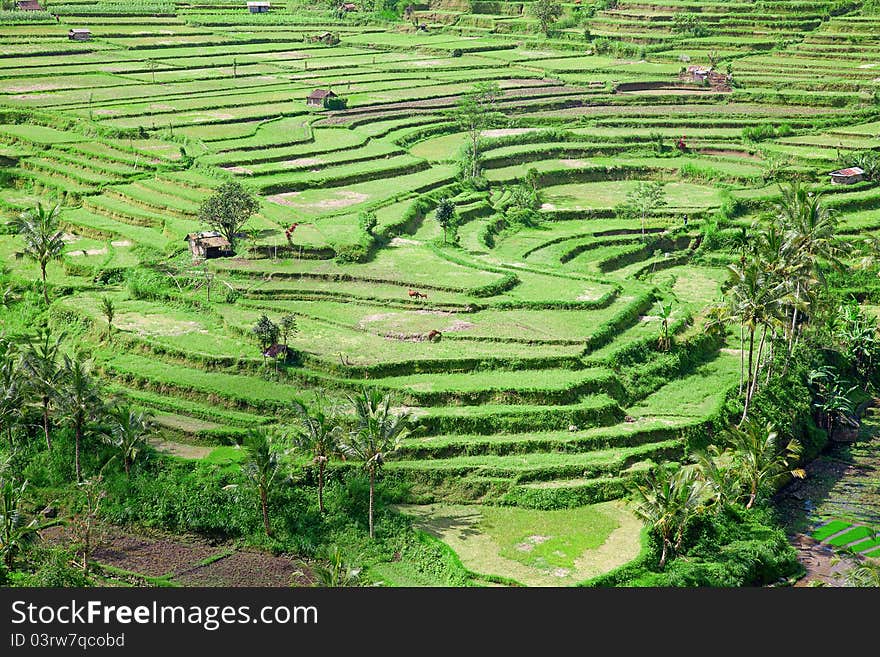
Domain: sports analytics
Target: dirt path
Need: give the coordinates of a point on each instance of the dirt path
(840, 484)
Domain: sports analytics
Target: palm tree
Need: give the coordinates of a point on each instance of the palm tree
(756, 299)
(865, 575)
(378, 433)
(666, 501)
(41, 364)
(127, 431)
(810, 239)
(79, 401)
(319, 435)
(109, 311)
(757, 458)
(717, 476)
(262, 468)
(43, 241)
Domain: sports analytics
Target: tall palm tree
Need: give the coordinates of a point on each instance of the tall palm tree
(757, 299)
(810, 239)
(666, 501)
(262, 468)
(758, 459)
(127, 431)
(378, 432)
(41, 364)
(319, 435)
(79, 401)
(43, 241)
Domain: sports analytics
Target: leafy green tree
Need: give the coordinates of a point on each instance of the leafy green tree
(547, 12)
(229, 209)
(44, 374)
(319, 434)
(288, 327)
(377, 434)
(267, 333)
(127, 430)
(758, 459)
(475, 112)
(262, 468)
(43, 241)
(79, 401)
(666, 501)
(446, 216)
(646, 198)
(109, 310)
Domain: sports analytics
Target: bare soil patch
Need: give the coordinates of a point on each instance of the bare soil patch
(249, 568)
(574, 164)
(304, 162)
(242, 170)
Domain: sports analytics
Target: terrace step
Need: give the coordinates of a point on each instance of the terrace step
(593, 410)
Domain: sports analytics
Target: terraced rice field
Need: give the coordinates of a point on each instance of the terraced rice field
(549, 388)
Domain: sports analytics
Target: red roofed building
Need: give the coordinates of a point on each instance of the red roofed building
(28, 5)
(847, 176)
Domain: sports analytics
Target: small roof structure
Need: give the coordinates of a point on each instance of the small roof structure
(28, 5)
(208, 238)
(321, 94)
(349, 6)
(849, 172)
(258, 6)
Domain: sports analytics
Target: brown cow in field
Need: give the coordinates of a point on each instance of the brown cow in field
(434, 336)
(415, 294)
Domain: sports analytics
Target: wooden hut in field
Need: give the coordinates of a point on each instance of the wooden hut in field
(319, 97)
(28, 5)
(208, 244)
(259, 7)
(848, 176)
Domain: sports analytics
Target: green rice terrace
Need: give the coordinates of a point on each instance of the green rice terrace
(523, 238)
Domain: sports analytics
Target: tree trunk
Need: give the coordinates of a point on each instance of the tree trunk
(321, 466)
(663, 555)
(756, 376)
(43, 273)
(742, 358)
(752, 496)
(264, 502)
(78, 436)
(372, 484)
(46, 423)
(126, 463)
(749, 380)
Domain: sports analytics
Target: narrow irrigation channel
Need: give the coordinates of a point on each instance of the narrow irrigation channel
(834, 514)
